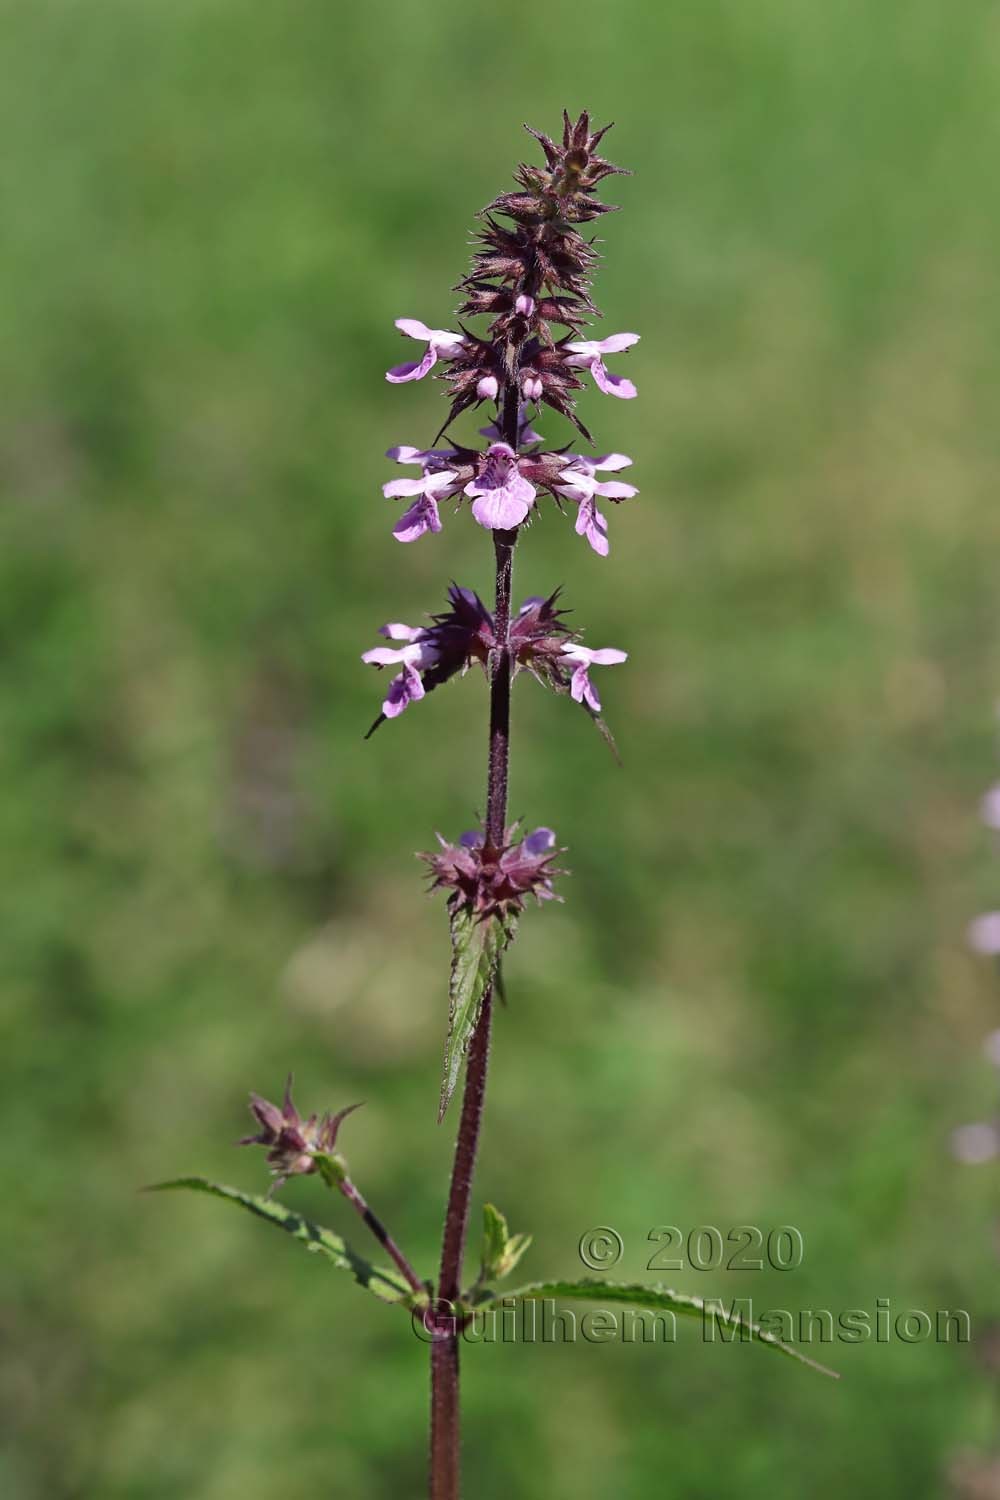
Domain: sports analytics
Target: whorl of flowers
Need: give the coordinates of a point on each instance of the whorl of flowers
(491, 881)
(465, 634)
(530, 276)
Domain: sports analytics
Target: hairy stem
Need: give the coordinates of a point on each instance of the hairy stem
(444, 1461)
(444, 1455)
(378, 1229)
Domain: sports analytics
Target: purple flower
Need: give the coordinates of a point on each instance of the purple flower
(984, 934)
(578, 482)
(586, 354)
(431, 654)
(438, 340)
(436, 483)
(974, 1144)
(408, 687)
(581, 688)
(488, 388)
(531, 385)
(502, 497)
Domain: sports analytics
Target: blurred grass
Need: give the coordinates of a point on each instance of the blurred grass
(755, 1004)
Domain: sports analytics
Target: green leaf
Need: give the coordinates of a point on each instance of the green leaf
(495, 1238)
(476, 947)
(386, 1285)
(592, 1289)
(501, 1249)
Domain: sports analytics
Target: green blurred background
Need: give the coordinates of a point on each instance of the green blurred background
(756, 1004)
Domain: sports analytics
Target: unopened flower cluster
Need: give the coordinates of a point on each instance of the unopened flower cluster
(487, 881)
(293, 1144)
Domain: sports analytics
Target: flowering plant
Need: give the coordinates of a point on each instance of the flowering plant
(530, 277)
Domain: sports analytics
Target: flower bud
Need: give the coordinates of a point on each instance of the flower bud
(293, 1144)
(488, 881)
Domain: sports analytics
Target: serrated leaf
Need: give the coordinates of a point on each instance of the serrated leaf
(476, 947)
(384, 1284)
(592, 1289)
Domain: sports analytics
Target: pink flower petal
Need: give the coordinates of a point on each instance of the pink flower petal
(591, 524)
(422, 516)
(397, 697)
(382, 656)
(399, 374)
(615, 343)
(506, 507)
(582, 689)
(414, 329)
(397, 487)
(984, 933)
(398, 632)
(611, 385)
(575, 486)
(990, 808)
(613, 489)
(974, 1144)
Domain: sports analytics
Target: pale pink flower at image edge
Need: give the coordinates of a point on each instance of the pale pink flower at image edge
(989, 808)
(984, 934)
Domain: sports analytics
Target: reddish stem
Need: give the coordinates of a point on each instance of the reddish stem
(380, 1232)
(445, 1430)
